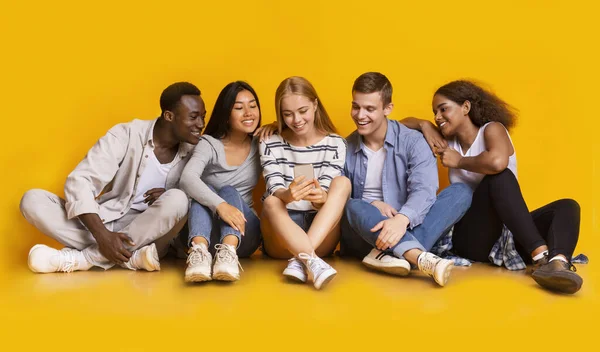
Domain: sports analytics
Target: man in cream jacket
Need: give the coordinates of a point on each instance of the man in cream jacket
(122, 205)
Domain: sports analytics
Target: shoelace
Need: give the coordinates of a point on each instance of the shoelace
(69, 264)
(315, 264)
(427, 265)
(226, 254)
(296, 264)
(197, 256)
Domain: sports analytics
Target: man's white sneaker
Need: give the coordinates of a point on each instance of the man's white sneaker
(295, 270)
(227, 266)
(378, 260)
(199, 261)
(145, 258)
(43, 259)
(319, 272)
(439, 269)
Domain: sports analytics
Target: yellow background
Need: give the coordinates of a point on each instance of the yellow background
(70, 70)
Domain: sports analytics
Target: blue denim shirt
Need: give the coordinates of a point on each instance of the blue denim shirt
(410, 177)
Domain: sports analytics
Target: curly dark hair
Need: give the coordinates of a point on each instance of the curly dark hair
(485, 105)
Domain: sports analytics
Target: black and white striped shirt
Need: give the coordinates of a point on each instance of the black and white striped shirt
(278, 158)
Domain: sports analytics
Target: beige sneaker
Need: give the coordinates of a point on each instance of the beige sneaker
(43, 259)
(439, 269)
(199, 261)
(378, 260)
(145, 258)
(227, 266)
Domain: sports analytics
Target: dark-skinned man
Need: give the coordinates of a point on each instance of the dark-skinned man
(122, 203)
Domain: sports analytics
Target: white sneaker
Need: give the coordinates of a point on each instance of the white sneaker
(319, 272)
(439, 269)
(145, 258)
(227, 265)
(43, 259)
(378, 260)
(198, 261)
(295, 270)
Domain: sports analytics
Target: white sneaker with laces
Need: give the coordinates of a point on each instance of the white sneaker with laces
(319, 272)
(295, 270)
(439, 269)
(43, 259)
(378, 260)
(227, 265)
(145, 258)
(199, 262)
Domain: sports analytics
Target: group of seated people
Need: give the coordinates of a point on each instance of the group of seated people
(374, 193)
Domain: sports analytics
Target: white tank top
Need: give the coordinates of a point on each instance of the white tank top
(473, 178)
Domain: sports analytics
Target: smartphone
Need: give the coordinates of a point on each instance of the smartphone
(305, 170)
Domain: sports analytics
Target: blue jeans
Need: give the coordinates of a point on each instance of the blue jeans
(202, 222)
(360, 217)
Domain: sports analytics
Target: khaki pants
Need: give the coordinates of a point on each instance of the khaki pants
(159, 223)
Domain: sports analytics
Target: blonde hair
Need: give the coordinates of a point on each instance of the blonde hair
(301, 86)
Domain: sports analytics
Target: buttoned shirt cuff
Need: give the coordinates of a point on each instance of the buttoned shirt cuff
(411, 215)
(76, 208)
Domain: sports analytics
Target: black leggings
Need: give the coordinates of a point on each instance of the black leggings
(498, 201)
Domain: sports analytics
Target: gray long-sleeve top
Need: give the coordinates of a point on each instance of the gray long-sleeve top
(208, 167)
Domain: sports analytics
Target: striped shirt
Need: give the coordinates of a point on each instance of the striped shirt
(278, 158)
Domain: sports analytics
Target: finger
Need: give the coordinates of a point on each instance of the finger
(126, 239)
(302, 194)
(127, 254)
(152, 190)
(317, 184)
(298, 180)
(377, 227)
(394, 212)
(388, 212)
(121, 258)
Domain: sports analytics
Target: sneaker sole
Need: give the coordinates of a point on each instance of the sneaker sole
(393, 270)
(225, 277)
(446, 275)
(320, 283)
(152, 258)
(29, 258)
(562, 282)
(198, 277)
(293, 276)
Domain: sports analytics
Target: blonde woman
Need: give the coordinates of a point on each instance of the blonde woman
(301, 213)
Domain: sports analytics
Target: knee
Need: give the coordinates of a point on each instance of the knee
(30, 201)
(571, 206)
(503, 176)
(175, 202)
(272, 203)
(462, 194)
(342, 183)
(352, 208)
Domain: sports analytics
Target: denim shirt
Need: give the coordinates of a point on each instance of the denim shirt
(409, 176)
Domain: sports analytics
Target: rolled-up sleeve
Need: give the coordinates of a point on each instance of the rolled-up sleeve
(422, 183)
(94, 172)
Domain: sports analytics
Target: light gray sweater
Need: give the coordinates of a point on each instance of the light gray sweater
(208, 167)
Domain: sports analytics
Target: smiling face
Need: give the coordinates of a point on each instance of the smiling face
(298, 113)
(245, 113)
(449, 115)
(368, 113)
(188, 118)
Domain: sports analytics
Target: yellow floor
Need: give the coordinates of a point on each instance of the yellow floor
(138, 311)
